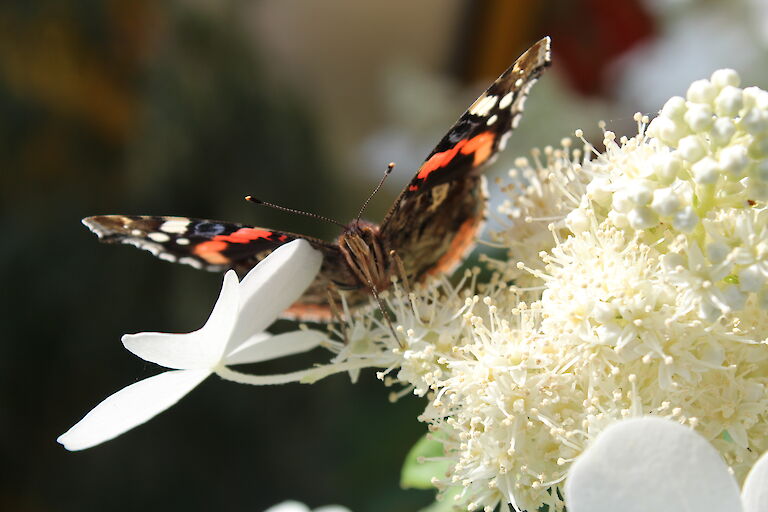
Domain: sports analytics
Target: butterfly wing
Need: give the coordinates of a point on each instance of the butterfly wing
(218, 246)
(435, 219)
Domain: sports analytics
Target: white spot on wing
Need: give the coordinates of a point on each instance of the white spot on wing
(176, 225)
(192, 262)
(136, 232)
(158, 237)
(183, 241)
(483, 105)
(506, 100)
(166, 256)
(144, 245)
(503, 140)
(492, 119)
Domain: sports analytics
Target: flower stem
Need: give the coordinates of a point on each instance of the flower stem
(308, 376)
(259, 380)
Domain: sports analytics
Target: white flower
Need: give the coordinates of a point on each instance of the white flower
(639, 287)
(233, 334)
(295, 506)
(655, 464)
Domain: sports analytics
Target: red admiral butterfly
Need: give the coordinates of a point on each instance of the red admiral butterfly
(430, 228)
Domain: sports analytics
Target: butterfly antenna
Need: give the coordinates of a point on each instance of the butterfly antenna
(291, 210)
(390, 166)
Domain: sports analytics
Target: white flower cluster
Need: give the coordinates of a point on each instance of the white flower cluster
(640, 289)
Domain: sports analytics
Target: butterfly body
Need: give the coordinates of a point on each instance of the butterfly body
(427, 231)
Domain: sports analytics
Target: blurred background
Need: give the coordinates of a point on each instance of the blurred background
(183, 107)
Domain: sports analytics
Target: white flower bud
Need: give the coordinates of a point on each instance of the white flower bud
(667, 166)
(751, 279)
(665, 201)
(706, 171)
(667, 130)
(599, 190)
(699, 117)
(608, 334)
(734, 159)
(701, 91)
(685, 220)
(755, 121)
(642, 218)
(729, 102)
(691, 148)
(618, 219)
(604, 312)
(674, 108)
(640, 193)
(577, 221)
(725, 77)
(755, 97)
(621, 201)
(722, 131)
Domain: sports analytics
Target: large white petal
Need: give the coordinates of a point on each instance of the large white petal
(754, 496)
(131, 407)
(288, 506)
(650, 464)
(263, 347)
(273, 285)
(203, 348)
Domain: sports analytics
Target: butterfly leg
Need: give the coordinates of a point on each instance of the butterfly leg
(384, 313)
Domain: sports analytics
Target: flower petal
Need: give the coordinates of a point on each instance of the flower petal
(263, 347)
(131, 407)
(199, 349)
(754, 495)
(288, 506)
(273, 285)
(646, 464)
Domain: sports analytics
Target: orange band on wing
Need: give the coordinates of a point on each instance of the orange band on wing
(244, 235)
(210, 251)
(481, 145)
(460, 246)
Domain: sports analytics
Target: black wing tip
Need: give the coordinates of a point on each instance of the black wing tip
(105, 226)
(540, 51)
(93, 224)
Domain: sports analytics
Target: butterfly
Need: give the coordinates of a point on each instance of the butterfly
(428, 230)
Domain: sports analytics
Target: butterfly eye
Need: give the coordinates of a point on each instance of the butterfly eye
(208, 229)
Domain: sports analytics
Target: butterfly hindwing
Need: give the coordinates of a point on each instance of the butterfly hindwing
(434, 221)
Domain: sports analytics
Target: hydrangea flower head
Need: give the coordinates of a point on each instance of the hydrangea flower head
(639, 289)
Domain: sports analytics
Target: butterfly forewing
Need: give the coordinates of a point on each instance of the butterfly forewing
(434, 221)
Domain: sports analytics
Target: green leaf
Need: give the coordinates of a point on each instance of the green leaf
(418, 475)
